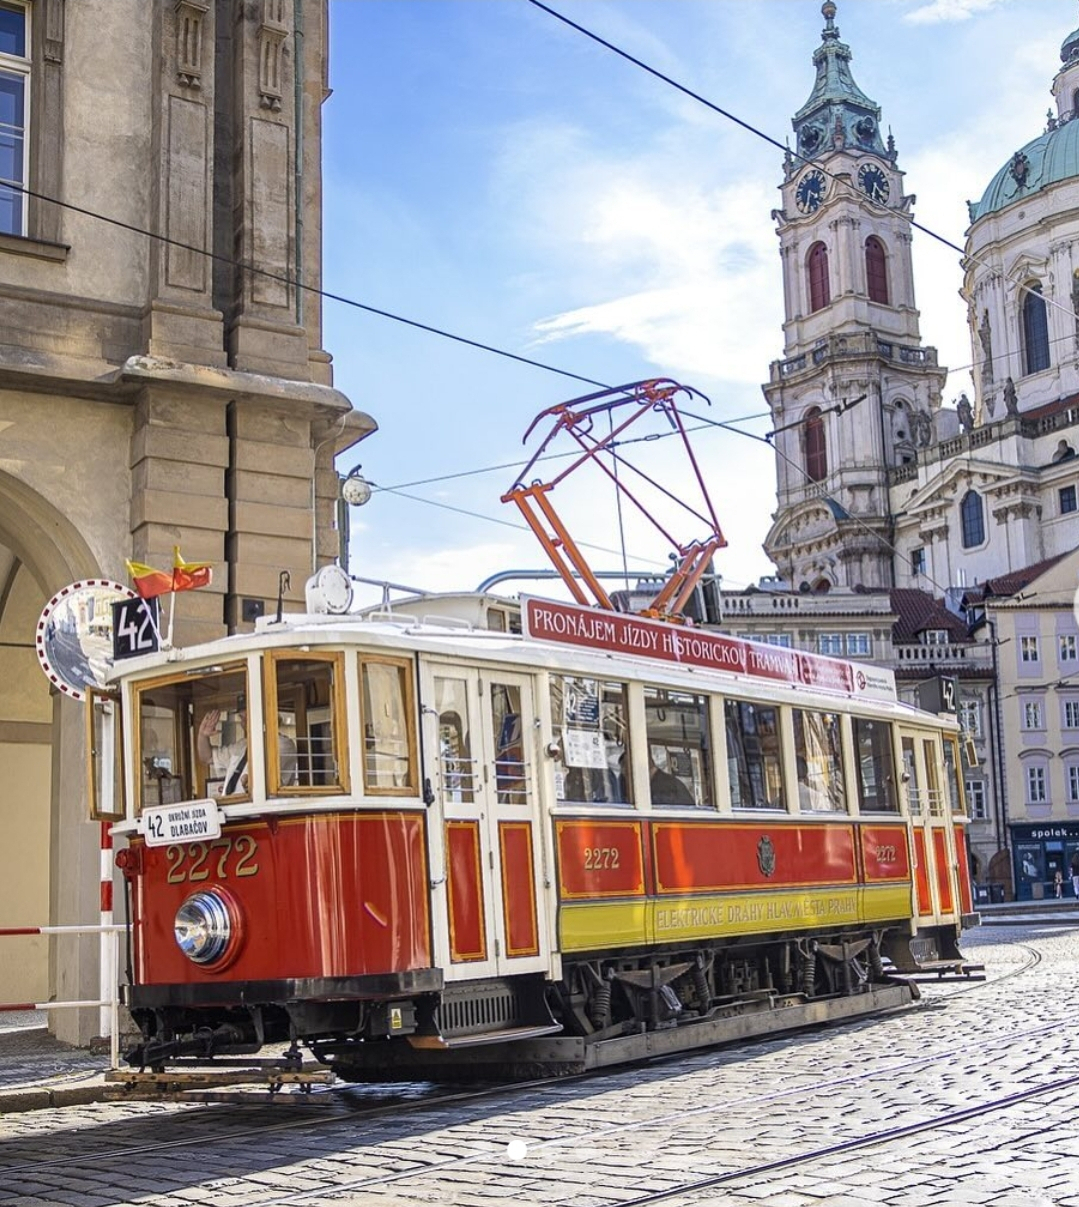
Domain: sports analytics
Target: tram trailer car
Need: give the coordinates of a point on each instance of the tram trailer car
(423, 850)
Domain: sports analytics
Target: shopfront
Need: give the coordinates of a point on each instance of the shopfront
(1039, 852)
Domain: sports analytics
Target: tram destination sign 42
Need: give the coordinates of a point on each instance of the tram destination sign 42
(194, 820)
(590, 628)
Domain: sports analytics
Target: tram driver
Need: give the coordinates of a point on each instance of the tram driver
(232, 757)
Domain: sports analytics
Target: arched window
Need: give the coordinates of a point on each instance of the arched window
(1035, 329)
(876, 270)
(816, 449)
(820, 291)
(972, 518)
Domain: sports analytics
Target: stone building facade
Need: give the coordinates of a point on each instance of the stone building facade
(154, 391)
(896, 514)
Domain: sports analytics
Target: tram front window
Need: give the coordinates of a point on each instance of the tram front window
(191, 738)
(589, 720)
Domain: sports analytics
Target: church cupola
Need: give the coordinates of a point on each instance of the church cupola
(838, 114)
(1066, 84)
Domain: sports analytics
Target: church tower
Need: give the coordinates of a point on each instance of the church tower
(856, 393)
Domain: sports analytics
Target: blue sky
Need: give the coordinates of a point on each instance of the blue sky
(492, 172)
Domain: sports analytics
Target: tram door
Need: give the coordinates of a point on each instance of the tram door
(935, 886)
(485, 838)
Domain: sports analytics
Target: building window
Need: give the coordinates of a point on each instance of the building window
(1035, 329)
(820, 290)
(781, 639)
(1073, 784)
(1068, 650)
(935, 636)
(876, 270)
(1067, 499)
(1028, 649)
(1032, 715)
(14, 97)
(830, 643)
(858, 645)
(970, 717)
(976, 799)
(917, 560)
(1071, 714)
(1036, 793)
(972, 518)
(816, 449)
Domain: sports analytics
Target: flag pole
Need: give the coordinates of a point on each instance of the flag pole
(172, 614)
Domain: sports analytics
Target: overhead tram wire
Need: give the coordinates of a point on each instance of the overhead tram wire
(784, 147)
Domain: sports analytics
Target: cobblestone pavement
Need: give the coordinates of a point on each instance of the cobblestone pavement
(618, 1138)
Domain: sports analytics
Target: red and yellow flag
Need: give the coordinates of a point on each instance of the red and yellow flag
(149, 582)
(185, 576)
(189, 576)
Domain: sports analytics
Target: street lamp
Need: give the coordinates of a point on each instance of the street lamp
(355, 489)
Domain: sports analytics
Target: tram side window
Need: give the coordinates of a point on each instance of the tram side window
(591, 730)
(819, 759)
(679, 758)
(389, 738)
(305, 733)
(754, 763)
(875, 762)
(191, 738)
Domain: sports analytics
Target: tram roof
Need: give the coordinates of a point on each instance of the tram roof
(444, 637)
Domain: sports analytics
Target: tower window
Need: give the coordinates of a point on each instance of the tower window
(815, 445)
(820, 291)
(876, 270)
(1035, 329)
(972, 517)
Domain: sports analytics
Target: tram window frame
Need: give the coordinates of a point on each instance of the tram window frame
(683, 765)
(105, 740)
(218, 688)
(832, 797)
(406, 677)
(878, 751)
(610, 730)
(296, 701)
(953, 780)
(739, 772)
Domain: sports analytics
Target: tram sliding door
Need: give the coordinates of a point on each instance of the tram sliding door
(485, 837)
(936, 889)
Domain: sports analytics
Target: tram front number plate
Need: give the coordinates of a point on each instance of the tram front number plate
(195, 819)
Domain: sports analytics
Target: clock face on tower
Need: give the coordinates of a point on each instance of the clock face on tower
(810, 191)
(873, 182)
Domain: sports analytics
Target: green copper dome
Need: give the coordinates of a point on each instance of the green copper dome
(1046, 161)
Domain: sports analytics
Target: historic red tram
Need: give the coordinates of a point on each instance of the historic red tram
(424, 847)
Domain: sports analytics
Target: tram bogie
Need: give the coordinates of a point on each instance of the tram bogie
(424, 851)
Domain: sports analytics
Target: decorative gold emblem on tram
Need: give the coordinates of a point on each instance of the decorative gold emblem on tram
(766, 856)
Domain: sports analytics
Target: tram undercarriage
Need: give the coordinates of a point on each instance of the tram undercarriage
(605, 1011)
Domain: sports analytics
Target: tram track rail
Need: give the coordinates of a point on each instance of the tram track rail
(440, 1099)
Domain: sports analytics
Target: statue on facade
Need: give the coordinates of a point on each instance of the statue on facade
(1011, 401)
(985, 334)
(922, 428)
(966, 413)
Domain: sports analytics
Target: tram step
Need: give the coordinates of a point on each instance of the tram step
(506, 1035)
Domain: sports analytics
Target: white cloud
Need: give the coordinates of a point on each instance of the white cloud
(939, 11)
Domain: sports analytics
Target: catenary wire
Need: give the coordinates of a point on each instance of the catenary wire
(784, 147)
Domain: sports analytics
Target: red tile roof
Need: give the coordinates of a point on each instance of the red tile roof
(1011, 583)
(918, 611)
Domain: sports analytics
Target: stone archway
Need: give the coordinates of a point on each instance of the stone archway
(51, 848)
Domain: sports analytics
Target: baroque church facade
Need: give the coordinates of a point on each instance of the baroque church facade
(154, 392)
(903, 526)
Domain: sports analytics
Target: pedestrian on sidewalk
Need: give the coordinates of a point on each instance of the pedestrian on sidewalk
(1075, 877)
(1058, 883)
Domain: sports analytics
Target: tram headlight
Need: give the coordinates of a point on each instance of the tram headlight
(204, 927)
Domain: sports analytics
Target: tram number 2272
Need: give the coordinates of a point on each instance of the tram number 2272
(600, 859)
(225, 856)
